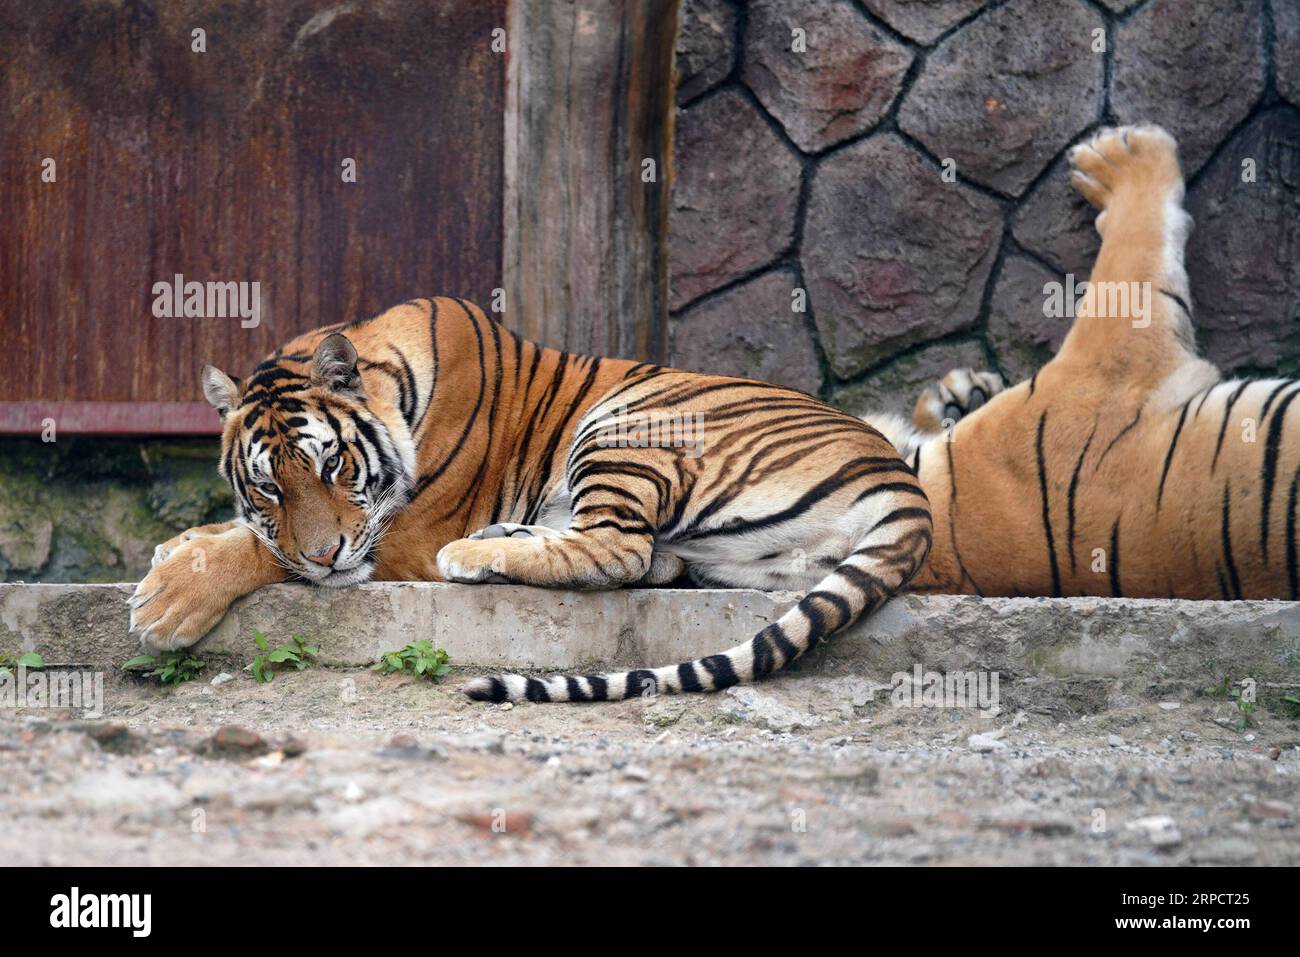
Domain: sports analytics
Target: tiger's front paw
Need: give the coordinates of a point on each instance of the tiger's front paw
(955, 396)
(471, 561)
(163, 551)
(182, 598)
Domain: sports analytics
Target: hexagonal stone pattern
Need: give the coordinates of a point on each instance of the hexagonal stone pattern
(706, 46)
(1286, 48)
(840, 86)
(734, 197)
(1022, 335)
(1003, 125)
(892, 255)
(1058, 224)
(923, 20)
(1244, 254)
(1195, 67)
(750, 331)
(896, 387)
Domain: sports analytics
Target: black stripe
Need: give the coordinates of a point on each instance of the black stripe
(1047, 512)
(1178, 299)
(1113, 562)
(842, 606)
(431, 477)
(495, 692)
(761, 650)
(536, 691)
(636, 683)
(789, 651)
(1291, 570)
(1122, 432)
(952, 518)
(1223, 427)
(599, 687)
(574, 687)
(1169, 456)
(1226, 534)
(720, 670)
(686, 675)
(1272, 447)
(1074, 487)
(910, 488)
(1268, 403)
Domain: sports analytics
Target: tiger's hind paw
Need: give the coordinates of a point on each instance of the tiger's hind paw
(1141, 158)
(955, 396)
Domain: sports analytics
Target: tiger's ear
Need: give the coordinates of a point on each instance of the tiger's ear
(221, 391)
(334, 366)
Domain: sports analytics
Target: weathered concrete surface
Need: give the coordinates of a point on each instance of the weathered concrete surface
(1138, 646)
(344, 766)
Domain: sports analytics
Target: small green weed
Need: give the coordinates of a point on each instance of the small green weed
(295, 655)
(172, 668)
(28, 659)
(418, 658)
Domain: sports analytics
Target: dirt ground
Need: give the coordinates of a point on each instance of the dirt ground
(350, 767)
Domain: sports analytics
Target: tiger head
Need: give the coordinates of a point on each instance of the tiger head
(318, 467)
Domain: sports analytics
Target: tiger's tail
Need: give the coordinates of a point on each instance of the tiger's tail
(883, 562)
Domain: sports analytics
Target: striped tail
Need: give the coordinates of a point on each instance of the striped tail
(884, 561)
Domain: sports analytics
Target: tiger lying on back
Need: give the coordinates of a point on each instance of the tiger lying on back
(432, 443)
(1126, 466)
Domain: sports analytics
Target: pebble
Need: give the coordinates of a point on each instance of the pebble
(232, 741)
(1160, 830)
(1170, 705)
(984, 743)
(1115, 741)
(221, 679)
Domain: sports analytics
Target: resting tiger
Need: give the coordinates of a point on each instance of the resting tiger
(1122, 468)
(432, 443)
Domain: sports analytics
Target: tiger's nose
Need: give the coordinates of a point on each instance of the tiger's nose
(325, 556)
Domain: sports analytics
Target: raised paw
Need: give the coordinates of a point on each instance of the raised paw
(1143, 159)
(955, 396)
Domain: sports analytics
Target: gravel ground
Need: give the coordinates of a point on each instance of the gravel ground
(350, 767)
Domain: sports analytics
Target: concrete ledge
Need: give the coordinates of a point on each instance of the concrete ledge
(1146, 644)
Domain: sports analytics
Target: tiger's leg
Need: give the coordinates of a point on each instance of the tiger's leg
(1134, 320)
(609, 542)
(664, 567)
(187, 593)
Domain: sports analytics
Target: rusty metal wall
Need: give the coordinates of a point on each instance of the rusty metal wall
(226, 165)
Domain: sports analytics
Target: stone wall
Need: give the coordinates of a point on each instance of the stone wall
(92, 510)
(816, 175)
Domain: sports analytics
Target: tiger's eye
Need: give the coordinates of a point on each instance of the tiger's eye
(333, 462)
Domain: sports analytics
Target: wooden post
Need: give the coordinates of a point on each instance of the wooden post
(589, 117)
